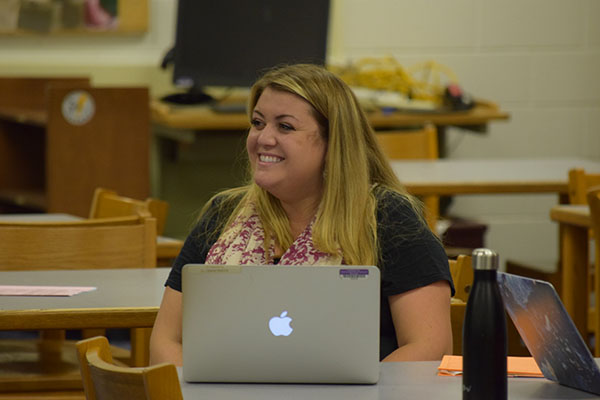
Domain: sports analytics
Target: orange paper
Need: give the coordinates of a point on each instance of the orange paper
(515, 366)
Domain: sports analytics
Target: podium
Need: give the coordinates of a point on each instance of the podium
(61, 138)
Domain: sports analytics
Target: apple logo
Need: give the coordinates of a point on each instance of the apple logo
(280, 326)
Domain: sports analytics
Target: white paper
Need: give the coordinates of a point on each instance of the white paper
(22, 290)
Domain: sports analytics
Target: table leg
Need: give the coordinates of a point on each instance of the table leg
(597, 301)
(574, 246)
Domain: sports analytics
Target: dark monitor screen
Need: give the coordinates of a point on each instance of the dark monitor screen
(231, 42)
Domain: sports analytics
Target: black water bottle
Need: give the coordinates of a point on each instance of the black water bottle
(484, 333)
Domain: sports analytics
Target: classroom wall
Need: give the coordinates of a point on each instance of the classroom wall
(538, 59)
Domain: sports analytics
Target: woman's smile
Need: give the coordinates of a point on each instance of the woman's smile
(269, 159)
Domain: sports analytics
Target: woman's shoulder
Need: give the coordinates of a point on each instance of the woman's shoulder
(217, 210)
(229, 199)
(398, 211)
(393, 201)
(223, 203)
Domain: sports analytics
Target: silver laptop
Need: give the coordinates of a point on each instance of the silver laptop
(549, 333)
(300, 324)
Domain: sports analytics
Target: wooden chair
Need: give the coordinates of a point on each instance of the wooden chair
(103, 380)
(462, 276)
(593, 198)
(107, 204)
(122, 242)
(414, 145)
(578, 185)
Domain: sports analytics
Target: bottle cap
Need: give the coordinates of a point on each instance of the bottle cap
(484, 259)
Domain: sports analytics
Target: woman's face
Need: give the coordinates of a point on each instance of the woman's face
(285, 146)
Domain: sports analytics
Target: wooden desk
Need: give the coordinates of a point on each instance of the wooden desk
(205, 119)
(166, 248)
(398, 381)
(124, 298)
(575, 222)
(476, 176)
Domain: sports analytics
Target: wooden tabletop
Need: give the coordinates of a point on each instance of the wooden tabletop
(204, 118)
(483, 176)
(397, 380)
(123, 298)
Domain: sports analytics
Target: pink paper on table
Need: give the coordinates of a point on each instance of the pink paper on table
(22, 290)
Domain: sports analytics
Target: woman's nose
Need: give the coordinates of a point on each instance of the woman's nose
(266, 136)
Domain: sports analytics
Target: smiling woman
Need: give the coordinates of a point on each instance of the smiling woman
(321, 193)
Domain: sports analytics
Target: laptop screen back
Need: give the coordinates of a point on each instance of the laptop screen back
(549, 333)
(310, 324)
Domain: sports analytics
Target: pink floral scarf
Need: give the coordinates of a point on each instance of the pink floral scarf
(242, 243)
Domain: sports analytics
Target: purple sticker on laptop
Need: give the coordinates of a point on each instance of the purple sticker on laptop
(354, 273)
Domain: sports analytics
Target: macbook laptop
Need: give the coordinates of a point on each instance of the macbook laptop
(549, 333)
(300, 324)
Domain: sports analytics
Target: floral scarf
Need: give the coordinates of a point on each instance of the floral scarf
(242, 243)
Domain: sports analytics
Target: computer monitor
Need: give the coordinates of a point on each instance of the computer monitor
(230, 42)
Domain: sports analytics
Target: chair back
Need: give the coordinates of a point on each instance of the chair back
(579, 184)
(409, 145)
(462, 276)
(122, 242)
(103, 380)
(414, 145)
(593, 198)
(107, 203)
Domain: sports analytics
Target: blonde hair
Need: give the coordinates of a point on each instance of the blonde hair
(354, 164)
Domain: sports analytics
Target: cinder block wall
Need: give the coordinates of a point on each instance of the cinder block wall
(538, 59)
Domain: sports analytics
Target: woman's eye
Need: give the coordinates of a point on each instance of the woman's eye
(256, 123)
(286, 127)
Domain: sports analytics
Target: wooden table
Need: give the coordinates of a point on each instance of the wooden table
(501, 176)
(398, 381)
(575, 223)
(179, 122)
(205, 118)
(166, 248)
(124, 298)
(478, 176)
